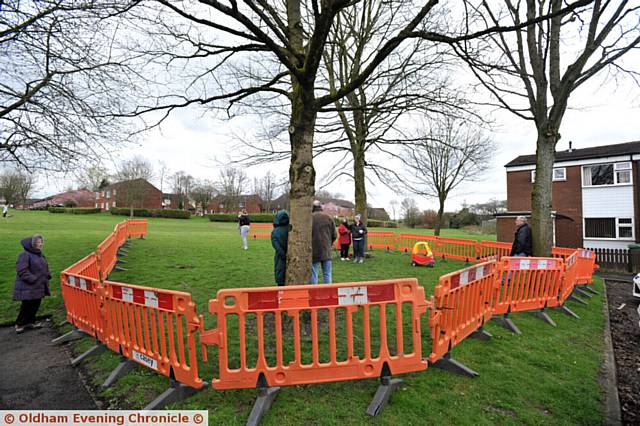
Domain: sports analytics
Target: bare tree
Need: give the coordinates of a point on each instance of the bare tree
(163, 170)
(15, 185)
(182, 185)
(133, 178)
(61, 69)
(394, 205)
(231, 184)
(532, 73)
(92, 177)
(410, 212)
(450, 153)
(265, 188)
(271, 54)
(202, 193)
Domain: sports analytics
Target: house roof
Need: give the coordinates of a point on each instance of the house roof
(582, 154)
(116, 185)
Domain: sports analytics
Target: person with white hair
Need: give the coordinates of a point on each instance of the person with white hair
(323, 234)
(358, 232)
(522, 242)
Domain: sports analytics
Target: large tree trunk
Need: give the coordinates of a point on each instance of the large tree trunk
(541, 220)
(302, 177)
(438, 225)
(359, 181)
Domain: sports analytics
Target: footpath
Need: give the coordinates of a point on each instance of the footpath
(38, 375)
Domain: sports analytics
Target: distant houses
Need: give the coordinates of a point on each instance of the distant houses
(136, 193)
(72, 198)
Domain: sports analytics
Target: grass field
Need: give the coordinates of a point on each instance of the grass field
(546, 376)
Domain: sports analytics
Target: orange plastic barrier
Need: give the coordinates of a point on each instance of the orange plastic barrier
(461, 305)
(382, 240)
(586, 266)
(261, 230)
(136, 228)
(526, 283)
(562, 252)
(406, 242)
(493, 250)
(107, 255)
(80, 288)
(570, 275)
(155, 328)
(456, 248)
(121, 233)
(347, 300)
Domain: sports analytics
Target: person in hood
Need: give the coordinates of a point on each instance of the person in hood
(279, 241)
(32, 282)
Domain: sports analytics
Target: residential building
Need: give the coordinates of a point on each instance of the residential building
(252, 203)
(332, 206)
(73, 198)
(377, 213)
(595, 196)
(137, 193)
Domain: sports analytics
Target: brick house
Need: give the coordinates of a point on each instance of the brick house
(75, 197)
(137, 193)
(595, 196)
(222, 204)
(332, 206)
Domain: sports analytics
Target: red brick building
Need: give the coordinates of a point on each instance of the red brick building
(74, 198)
(222, 204)
(332, 206)
(137, 193)
(595, 196)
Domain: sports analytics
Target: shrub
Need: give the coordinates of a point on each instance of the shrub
(167, 213)
(57, 209)
(79, 210)
(255, 217)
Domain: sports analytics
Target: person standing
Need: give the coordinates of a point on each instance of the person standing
(279, 241)
(358, 232)
(5, 210)
(522, 242)
(345, 239)
(323, 234)
(244, 224)
(32, 282)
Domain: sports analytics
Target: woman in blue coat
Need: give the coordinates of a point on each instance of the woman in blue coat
(279, 241)
(32, 282)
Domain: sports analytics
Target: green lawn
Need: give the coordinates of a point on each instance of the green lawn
(546, 376)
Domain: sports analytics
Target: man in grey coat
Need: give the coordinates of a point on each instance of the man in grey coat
(323, 234)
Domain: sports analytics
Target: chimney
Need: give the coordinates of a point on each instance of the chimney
(570, 148)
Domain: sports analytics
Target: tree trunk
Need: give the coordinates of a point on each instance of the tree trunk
(541, 220)
(302, 177)
(436, 229)
(359, 182)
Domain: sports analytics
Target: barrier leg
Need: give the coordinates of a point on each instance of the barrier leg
(127, 243)
(74, 334)
(542, 314)
(590, 289)
(123, 368)
(576, 299)
(506, 321)
(119, 269)
(481, 334)
(563, 308)
(120, 262)
(94, 350)
(582, 292)
(142, 237)
(176, 392)
(383, 395)
(262, 405)
(122, 251)
(451, 365)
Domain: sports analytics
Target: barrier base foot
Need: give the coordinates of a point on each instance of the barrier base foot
(141, 237)
(74, 334)
(545, 317)
(175, 393)
(451, 365)
(383, 395)
(506, 321)
(581, 291)
(121, 253)
(262, 405)
(481, 334)
(119, 269)
(568, 311)
(63, 322)
(120, 262)
(576, 299)
(94, 350)
(123, 368)
(590, 289)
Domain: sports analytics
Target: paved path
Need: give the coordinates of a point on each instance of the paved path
(37, 375)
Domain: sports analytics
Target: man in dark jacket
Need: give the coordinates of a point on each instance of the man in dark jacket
(522, 243)
(279, 241)
(32, 282)
(358, 232)
(323, 234)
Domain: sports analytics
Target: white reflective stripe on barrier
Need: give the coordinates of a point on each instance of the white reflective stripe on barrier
(352, 295)
(127, 294)
(526, 264)
(151, 298)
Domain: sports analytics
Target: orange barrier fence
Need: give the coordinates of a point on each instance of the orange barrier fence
(107, 255)
(562, 252)
(405, 242)
(456, 248)
(462, 303)
(155, 328)
(570, 275)
(492, 250)
(136, 228)
(261, 230)
(346, 300)
(382, 240)
(586, 266)
(527, 283)
(81, 295)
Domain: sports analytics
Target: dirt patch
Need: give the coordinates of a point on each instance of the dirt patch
(625, 333)
(503, 411)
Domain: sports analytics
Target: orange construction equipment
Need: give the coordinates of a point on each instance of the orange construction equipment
(381, 240)
(155, 328)
(293, 306)
(493, 250)
(461, 306)
(261, 230)
(422, 255)
(456, 248)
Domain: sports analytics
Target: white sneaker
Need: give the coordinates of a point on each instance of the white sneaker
(355, 260)
(361, 261)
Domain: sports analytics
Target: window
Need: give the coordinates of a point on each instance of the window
(113, 204)
(559, 173)
(606, 174)
(114, 193)
(241, 205)
(108, 194)
(97, 196)
(608, 227)
(221, 205)
(96, 205)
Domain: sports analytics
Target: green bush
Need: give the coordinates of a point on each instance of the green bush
(79, 210)
(167, 213)
(57, 209)
(253, 217)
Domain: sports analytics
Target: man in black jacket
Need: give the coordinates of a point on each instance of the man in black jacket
(323, 234)
(522, 243)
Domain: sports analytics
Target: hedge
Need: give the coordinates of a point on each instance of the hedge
(74, 210)
(254, 218)
(167, 213)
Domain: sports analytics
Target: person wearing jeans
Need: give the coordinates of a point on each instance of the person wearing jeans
(358, 232)
(323, 234)
(244, 225)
